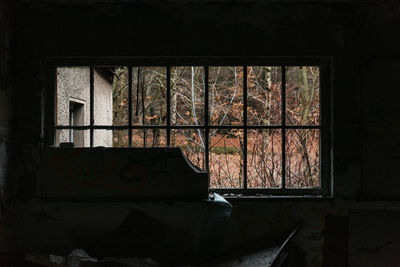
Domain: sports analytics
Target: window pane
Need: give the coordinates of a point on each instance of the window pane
(156, 137)
(73, 96)
(111, 138)
(191, 142)
(302, 95)
(120, 138)
(187, 95)
(153, 137)
(264, 158)
(80, 138)
(264, 102)
(149, 95)
(138, 138)
(110, 95)
(226, 158)
(103, 138)
(225, 95)
(120, 94)
(302, 158)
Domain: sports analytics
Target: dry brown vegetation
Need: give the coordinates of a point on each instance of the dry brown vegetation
(226, 146)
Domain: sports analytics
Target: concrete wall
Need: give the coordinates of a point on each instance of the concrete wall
(73, 84)
(360, 36)
(103, 108)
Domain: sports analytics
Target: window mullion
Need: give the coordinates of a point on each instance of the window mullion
(130, 105)
(283, 122)
(168, 106)
(141, 86)
(206, 120)
(91, 105)
(245, 127)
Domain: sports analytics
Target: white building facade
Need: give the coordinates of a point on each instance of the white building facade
(73, 105)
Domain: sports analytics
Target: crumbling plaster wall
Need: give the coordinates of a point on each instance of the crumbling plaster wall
(360, 38)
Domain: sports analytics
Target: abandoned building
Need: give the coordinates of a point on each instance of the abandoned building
(199, 133)
(73, 104)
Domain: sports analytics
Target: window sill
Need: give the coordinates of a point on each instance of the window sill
(240, 197)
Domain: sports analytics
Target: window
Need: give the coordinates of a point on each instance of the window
(76, 117)
(258, 128)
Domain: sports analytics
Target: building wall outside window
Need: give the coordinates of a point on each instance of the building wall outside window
(73, 85)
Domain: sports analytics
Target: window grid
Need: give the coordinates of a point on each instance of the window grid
(207, 127)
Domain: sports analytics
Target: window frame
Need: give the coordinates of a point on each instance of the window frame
(326, 108)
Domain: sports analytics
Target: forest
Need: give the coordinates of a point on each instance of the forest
(228, 145)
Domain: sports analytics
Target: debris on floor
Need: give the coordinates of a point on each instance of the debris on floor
(79, 258)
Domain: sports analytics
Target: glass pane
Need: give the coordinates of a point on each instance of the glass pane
(110, 95)
(225, 95)
(187, 95)
(156, 137)
(111, 138)
(103, 138)
(79, 138)
(120, 138)
(73, 96)
(226, 158)
(302, 158)
(264, 102)
(302, 95)
(149, 95)
(264, 158)
(137, 138)
(120, 94)
(191, 141)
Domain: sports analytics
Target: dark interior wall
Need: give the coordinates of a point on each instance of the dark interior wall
(361, 37)
(194, 29)
(5, 92)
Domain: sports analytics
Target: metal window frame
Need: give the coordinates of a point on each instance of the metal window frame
(326, 106)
